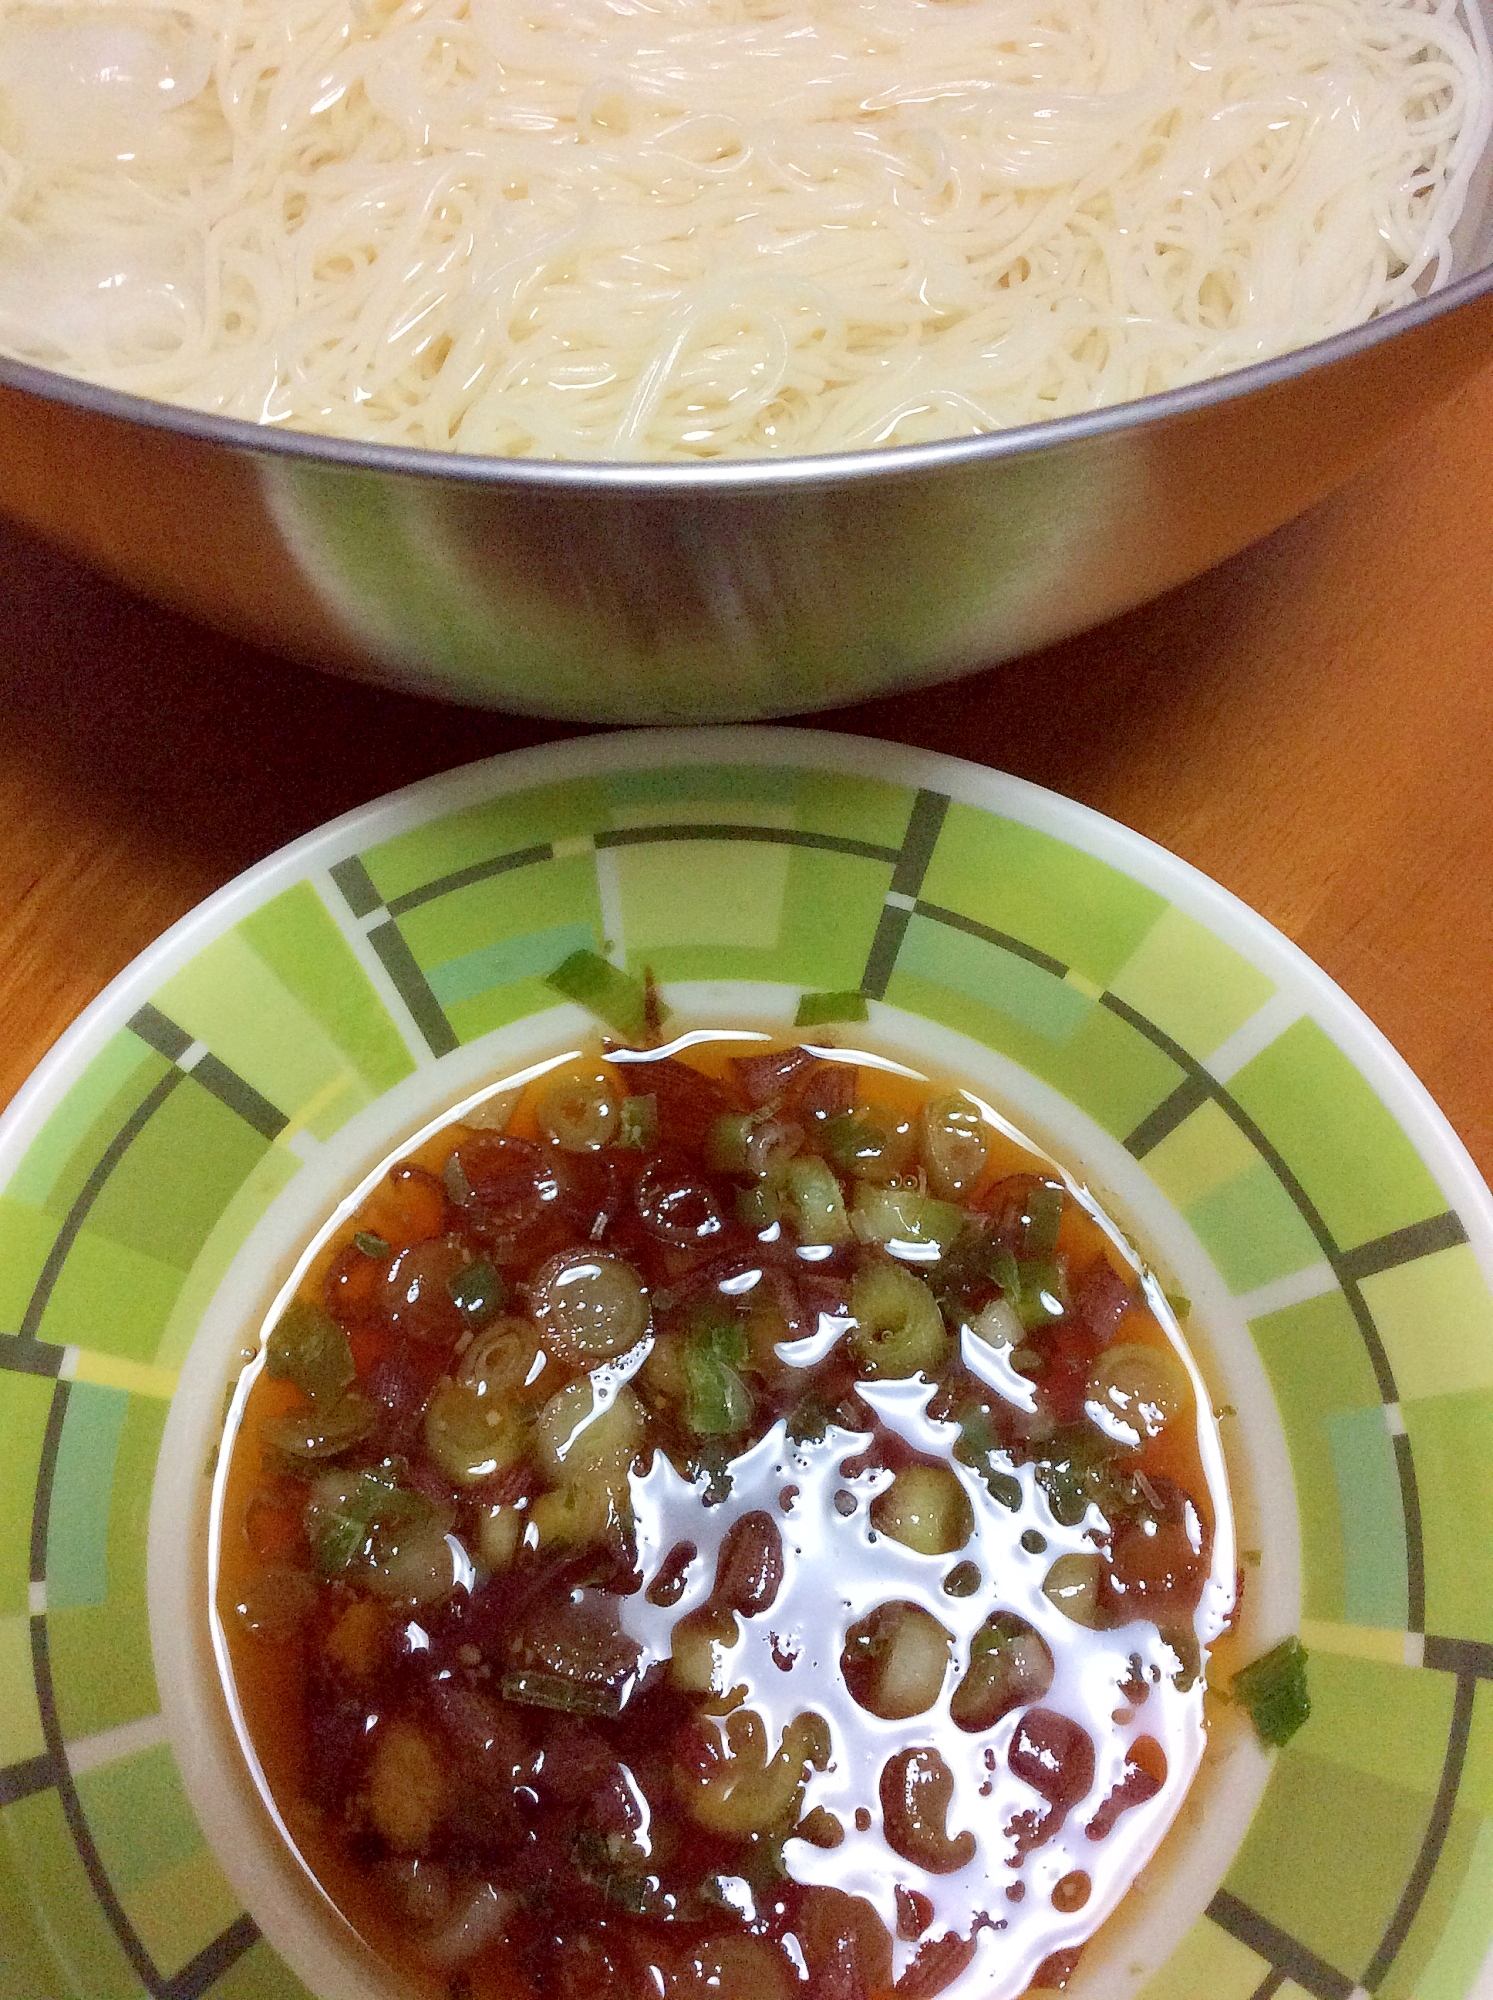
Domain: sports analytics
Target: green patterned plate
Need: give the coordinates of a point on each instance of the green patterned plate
(160, 1170)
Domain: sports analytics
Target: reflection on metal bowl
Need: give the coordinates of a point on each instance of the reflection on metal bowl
(664, 593)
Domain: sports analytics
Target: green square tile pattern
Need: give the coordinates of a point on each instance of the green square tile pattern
(1203, 1154)
(1192, 985)
(148, 1223)
(102, 1672)
(1306, 1867)
(1435, 1317)
(31, 1971)
(1012, 878)
(1208, 1964)
(25, 1404)
(231, 991)
(78, 1520)
(27, 1234)
(1350, 1699)
(111, 1298)
(1103, 1065)
(532, 956)
(1371, 1512)
(84, 1120)
(178, 1911)
(260, 1975)
(62, 1160)
(138, 1816)
(482, 833)
(1340, 1141)
(1253, 1230)
(515, 911)
(866, 809)
(20, 1715)
(1030, 996)
(1454, 1470)
(805, 916)
(1475, 1793)
(296, 938)
(64, 1914)
(152, 1850)
(154, 1208)
(1454, 1922)
(1318, 1369)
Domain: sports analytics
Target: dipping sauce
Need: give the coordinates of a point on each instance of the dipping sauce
(730, 1521)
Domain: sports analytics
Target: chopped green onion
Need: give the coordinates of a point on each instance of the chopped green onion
(816, 1207)
(902, 1215)
(1044, 1218)
(372, 1246)
(1273, 1689)
(978, 1448)
(1078, 1470)
(637, 1126)
(309, 1348)
(340, 1518)
(899, 1330)
(1042, 1293)
(717, 1403)
(607, 992)
(538, 1690)
(760, 1205)
(726, 1141)
(478, 1292)
(322, 1430)
(816, 1007)
(1005, 1272)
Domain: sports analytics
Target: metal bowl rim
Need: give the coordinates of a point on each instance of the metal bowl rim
(702, 478)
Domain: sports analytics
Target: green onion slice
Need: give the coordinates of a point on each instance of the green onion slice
(717, 1403)
(637, 1126)
(816, 1007)
(1273, 1689)
(539, 1690)
(478, 1292)
(309, 1348)
(612, 995)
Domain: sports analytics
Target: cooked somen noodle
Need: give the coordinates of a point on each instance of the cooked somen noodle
(654, 229)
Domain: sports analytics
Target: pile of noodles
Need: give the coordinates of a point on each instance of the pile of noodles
(702, 228)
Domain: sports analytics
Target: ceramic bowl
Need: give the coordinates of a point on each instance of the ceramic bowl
(1267, 1148)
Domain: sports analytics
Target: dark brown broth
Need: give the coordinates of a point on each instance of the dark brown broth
(602, 1829)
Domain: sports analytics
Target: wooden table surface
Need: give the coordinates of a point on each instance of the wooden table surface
(1311, 724)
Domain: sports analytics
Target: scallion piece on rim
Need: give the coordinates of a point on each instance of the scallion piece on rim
(816, 1007)
(611, 995)
(1273, 1689)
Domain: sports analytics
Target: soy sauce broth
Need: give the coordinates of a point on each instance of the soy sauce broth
(748, 1647)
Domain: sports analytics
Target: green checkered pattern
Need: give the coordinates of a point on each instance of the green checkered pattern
(1369, 1311)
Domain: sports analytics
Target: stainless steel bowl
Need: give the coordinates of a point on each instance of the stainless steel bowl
(672, 593)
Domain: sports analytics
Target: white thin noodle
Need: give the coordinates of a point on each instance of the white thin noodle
(701, 228)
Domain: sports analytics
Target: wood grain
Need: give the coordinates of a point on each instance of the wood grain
(1311, 724)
